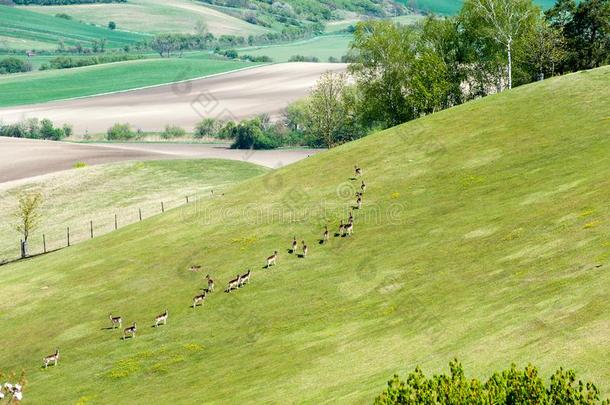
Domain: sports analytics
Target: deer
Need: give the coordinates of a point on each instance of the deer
(363, 186)
(351, 217)
(52, 358)
(210, 283)
(294, 244)
(305, 249)
(233, 284)
(131, 330)
(199, 299)
(340, 232)
(359, 202)
(349, 229)
(116, 321)
(357, 170)
(161, 318)
(272, 260)
(326, 234)
(245, 279)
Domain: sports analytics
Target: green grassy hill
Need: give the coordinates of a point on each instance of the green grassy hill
(120, 188)
(321, 47)
(483, 235)
(90, 80)
(155, 16)
(40, 31)
(452, 7)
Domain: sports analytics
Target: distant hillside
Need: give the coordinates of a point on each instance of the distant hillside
(451, 7)
(483, 236)
(42, 31)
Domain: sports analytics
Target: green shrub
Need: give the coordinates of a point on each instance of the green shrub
(208, 127)
(112, 25)
(172, 131)
(249, 135)
(64, 16)
(14, 65)
(120, 132)
(79, 165)
(512, 386)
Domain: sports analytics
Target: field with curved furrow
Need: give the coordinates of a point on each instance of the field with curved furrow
(483, 235)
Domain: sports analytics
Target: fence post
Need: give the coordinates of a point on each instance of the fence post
(68, 234)
(91, 227)
(44, 244)
(140, 211)
(115, 223)
(162, 208)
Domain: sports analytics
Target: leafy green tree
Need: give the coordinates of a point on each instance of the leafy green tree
(112, 25)
(325, 107)
(385, 55)
(504, 21)
(513, 386)
(28, 217)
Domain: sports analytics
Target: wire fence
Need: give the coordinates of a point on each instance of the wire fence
(48, 239)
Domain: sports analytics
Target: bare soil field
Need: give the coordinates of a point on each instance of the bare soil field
(266, 89)
(24, 158)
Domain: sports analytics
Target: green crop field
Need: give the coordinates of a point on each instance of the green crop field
(77, 82)
(321, 47)
(483, 236)
(29, 28)
(452, 7)
(154, 16)
(121, 189)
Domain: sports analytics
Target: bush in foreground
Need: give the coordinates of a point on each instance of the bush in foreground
(173, 131)
(512, 386)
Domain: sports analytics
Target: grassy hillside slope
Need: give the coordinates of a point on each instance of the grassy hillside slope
(90, 80)
(119, 188)
(321, 47)
(155, 16)
(44, 32)
(483, 235)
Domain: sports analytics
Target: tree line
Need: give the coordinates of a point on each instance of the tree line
(405, 72)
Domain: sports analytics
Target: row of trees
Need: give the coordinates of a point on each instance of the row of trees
(511, 386)
(404, 72)
(36, 129)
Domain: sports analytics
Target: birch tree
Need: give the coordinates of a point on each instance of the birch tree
(28, 217)
(504, 21)
(325, 106)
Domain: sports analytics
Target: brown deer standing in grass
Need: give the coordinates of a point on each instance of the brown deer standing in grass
(294, 244)
(357, 170)
(272, 260)
(305, 248)
(52, 358)
(349, 229)
(233, 284)
(116, 321)
(245, 279)
(351, 217)
(359, 202)
(131, 331)
(199, 299)
(363, 187)
(210, 283)
(161, 318)
(326, 234)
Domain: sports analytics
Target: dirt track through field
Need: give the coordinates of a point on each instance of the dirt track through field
(21, 159)
(266, 89)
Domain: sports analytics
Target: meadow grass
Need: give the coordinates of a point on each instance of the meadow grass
(90, 80)
(154, 16)
(321, 47)
(472, 243)
(25, 25)
(119, 188)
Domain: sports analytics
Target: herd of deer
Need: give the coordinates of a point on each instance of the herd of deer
(345, 229)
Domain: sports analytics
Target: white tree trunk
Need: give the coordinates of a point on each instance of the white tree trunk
(509, 67)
